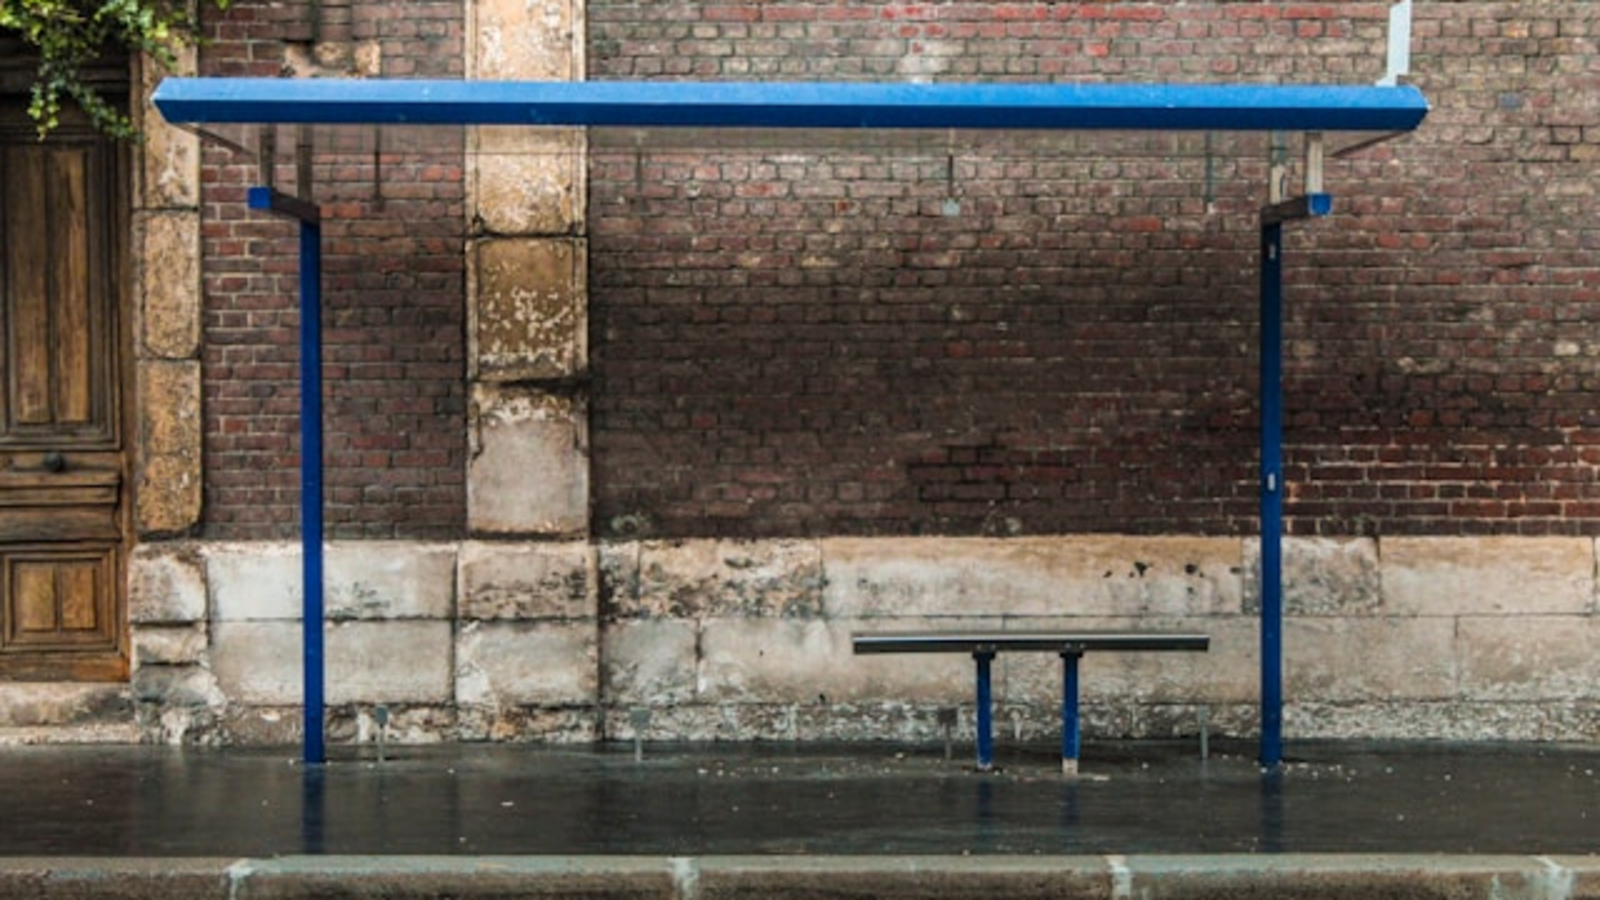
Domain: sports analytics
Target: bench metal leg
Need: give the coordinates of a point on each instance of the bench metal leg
(1070, 734)
(985, 711)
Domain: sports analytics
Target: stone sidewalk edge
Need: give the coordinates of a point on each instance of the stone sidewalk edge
(1141, 877)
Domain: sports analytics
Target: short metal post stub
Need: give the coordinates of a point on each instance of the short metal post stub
(983, 657)
(1070, 729)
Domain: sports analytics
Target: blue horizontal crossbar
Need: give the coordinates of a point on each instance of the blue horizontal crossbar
(1228, 107)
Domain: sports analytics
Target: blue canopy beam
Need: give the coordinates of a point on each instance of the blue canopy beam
(1166, 107)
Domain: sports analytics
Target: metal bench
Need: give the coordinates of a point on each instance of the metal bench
(1069, 645)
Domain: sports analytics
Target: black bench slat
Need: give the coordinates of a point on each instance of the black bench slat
(1048, 641)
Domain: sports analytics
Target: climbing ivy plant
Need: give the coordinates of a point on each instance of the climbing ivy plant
(69, 35)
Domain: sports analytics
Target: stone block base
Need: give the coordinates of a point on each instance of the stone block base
(728, 640)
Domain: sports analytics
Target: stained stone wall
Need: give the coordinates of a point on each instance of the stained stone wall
(1412, 638)
(1418, 638)
(526, 646)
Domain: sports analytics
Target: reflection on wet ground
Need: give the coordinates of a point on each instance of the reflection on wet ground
(797, 799)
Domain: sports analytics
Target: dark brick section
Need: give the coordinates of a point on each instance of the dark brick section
(855, 343)
(1003, 340)
(394, 307)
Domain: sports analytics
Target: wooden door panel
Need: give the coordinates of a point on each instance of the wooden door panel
(28, 288)
(63, 491)
(58, 524)
(32, 592)
(78, 587)
(53, 599)
(72, 370)
(59, 359)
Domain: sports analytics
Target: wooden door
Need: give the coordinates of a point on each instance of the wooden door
(63, 513)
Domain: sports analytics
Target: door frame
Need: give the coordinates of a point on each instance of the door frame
(104, 663)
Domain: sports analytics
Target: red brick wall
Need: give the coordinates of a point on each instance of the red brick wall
(393, 292)
(803, 342)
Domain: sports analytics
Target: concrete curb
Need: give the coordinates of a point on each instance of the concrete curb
(1243, 877)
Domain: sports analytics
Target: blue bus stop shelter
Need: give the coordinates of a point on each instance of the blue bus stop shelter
(1311, 109)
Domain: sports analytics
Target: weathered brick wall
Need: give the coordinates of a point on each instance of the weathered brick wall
(1446, 386)
(393, 292)
(1022, 341)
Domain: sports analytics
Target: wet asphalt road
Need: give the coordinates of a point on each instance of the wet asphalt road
(1137, 798)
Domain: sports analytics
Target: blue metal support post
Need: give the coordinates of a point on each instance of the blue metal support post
(311, 482)
(985, 724)
(1310, 205)
(1271, 493)
(1313, 203)
(310, 219)
(1071, 730)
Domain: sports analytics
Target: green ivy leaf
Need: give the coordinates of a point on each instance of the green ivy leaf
(68, 35)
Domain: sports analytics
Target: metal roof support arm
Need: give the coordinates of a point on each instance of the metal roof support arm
(1311, 204)
(309, 216)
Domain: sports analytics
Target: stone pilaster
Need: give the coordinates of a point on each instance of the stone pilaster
(527, 294)
(528, 357)
(166, 316)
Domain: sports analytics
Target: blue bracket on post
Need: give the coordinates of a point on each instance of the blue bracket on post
(1272, 219)
(310, 219)
(985, 724)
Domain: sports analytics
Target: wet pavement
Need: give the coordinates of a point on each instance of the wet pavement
(726, 799)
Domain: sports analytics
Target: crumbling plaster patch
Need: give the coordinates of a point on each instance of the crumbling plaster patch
(530, 309)
(529, 471)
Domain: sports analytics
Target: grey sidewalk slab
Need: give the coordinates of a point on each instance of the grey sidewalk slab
(1236, 877)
